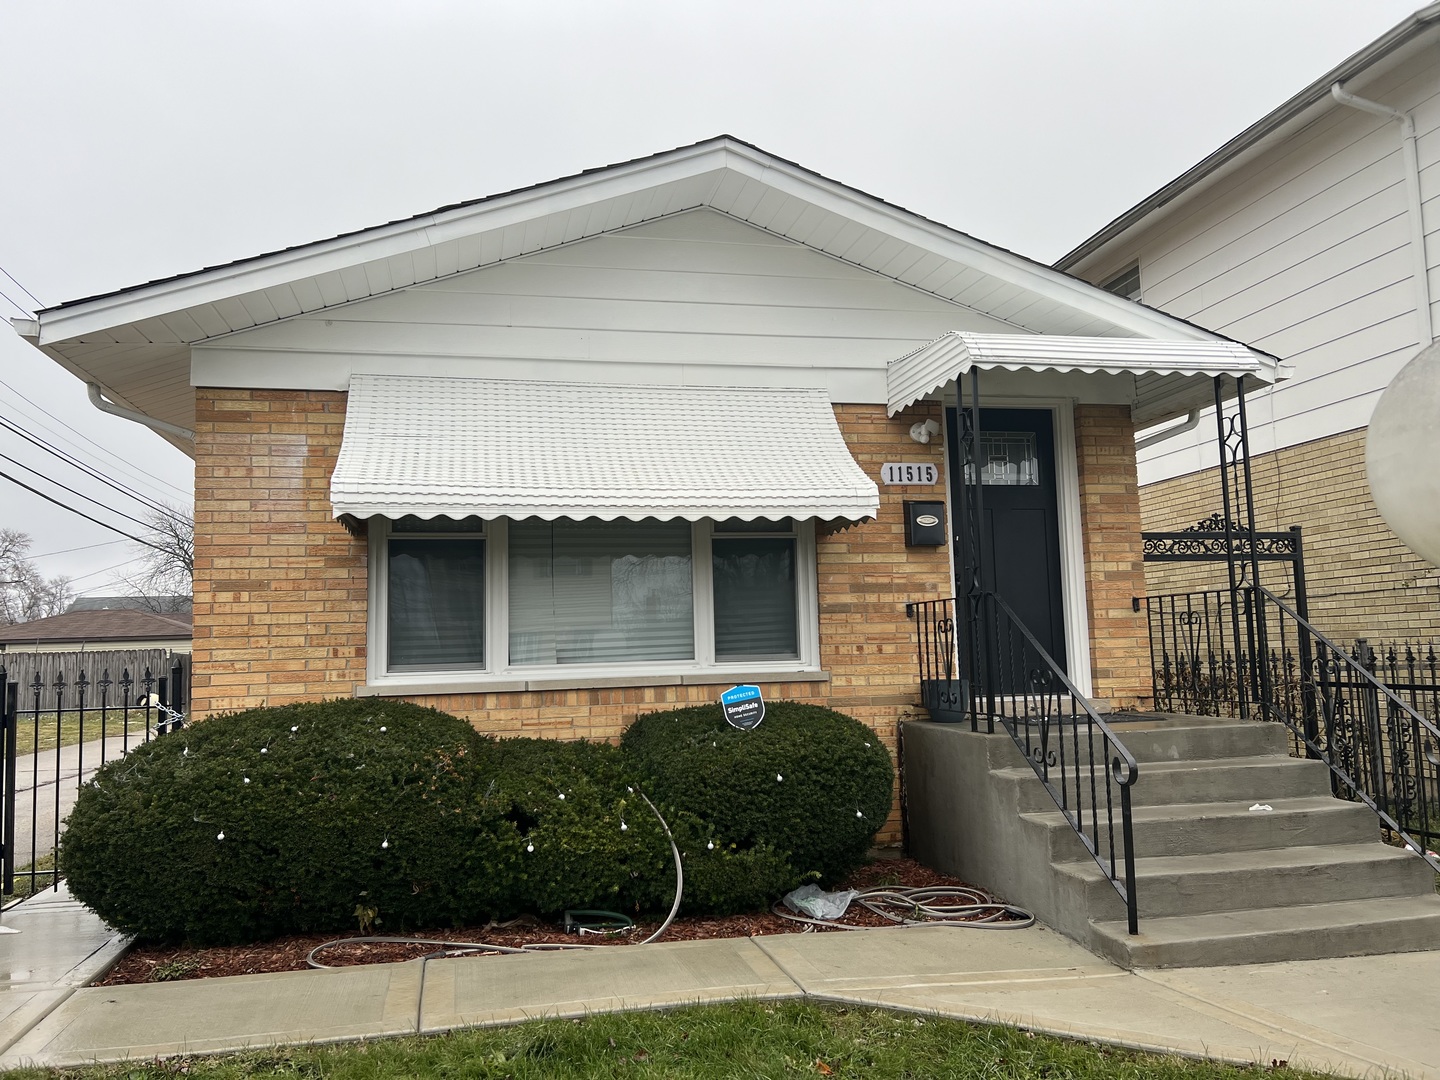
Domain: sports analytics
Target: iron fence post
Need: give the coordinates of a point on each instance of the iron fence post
(9, 729)
(1308, 706)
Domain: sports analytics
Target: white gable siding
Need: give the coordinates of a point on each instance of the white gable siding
(687, 299)
(1303, 252)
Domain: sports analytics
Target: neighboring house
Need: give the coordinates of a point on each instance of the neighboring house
(163, 604)
(557, 456)
(97, 630)
(1305, 236)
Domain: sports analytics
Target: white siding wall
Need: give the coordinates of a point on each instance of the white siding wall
(686, 299)
(1303, 252)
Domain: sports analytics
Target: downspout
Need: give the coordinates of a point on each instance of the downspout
(1420, 270)
(1192, 421)
(140, 418)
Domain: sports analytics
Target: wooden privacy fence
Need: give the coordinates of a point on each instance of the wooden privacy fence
(24, 666)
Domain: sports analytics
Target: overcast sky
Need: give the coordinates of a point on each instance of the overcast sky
(144, 139)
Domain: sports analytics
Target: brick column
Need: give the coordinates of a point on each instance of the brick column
(279, 586)
(1114, 554)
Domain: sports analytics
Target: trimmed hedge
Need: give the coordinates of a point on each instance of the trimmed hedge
(289, 819)
(325, 816)
(809, 781)
(602, 845)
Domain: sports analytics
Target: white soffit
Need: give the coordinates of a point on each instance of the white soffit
(458, 447)
(931, 367)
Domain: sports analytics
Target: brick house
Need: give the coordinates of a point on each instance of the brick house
(1305, 235)
(561, 455)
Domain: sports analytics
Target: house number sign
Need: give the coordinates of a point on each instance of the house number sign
(909, 472)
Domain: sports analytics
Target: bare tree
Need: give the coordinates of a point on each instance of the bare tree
(25, 593)
(164, 580)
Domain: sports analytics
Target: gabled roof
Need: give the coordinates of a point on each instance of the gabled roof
(1309, 102)
(135, 342)
(97, 627)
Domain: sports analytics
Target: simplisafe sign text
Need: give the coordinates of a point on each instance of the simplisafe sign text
(743, 706)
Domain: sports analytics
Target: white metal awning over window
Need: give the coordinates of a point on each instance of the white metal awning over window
(1155, 364)
(459, 447)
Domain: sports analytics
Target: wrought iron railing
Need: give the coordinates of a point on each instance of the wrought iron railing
(53, 737)
(1380, 750)
(990, 669)
(1372, 715)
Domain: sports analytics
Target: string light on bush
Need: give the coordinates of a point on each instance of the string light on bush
(220, 835)
(247, 779)
(530, 848)
(623, 826)
(779, 779)
(385, 844)
(710, 845)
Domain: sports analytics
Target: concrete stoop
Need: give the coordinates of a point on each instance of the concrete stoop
(1218, 883)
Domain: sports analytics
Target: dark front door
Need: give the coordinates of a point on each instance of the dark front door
(1020, 538)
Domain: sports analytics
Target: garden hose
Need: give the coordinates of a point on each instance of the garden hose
(918, 907)
(450, 947)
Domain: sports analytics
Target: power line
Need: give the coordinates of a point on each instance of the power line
(72, 491)
(80, 513)
(83, 547)
(22, 288)
(18, 307)
(75, 462)
(114, 457)
(96, 573)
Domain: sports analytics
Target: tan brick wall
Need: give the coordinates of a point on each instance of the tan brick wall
(1114, 556)
(1361, 578)
(280, 588)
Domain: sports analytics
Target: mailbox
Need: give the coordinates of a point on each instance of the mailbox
(925, 524)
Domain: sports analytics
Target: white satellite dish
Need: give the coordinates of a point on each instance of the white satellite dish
(1401, 451)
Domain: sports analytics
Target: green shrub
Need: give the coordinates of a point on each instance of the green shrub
(586, 838)
(810, 782)
(292, 819)
(603, 846)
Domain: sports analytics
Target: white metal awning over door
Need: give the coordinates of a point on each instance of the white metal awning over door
(452, 447)
(1169, 375)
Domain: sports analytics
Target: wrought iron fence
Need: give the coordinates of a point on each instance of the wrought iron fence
(56, 732)
(1370, 714)
(988, 669)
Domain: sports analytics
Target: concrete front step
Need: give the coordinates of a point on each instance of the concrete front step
(1256, 779)
(1169, 886)
(1272, 934)
(1154, 737)
(1207, 828)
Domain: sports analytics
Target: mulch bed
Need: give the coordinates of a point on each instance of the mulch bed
(161, 963)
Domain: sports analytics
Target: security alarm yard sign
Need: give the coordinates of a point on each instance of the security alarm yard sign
(909, 472)
(743, 706)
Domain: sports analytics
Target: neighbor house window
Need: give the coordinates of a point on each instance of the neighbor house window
(1126, 283)
(510, 599)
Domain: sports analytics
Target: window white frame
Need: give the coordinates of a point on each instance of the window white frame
(499, 674)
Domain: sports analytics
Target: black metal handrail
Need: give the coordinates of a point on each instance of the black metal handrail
(993, 670)
(1379, 750)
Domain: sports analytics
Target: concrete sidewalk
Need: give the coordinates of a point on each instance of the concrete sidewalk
(1358, 1016)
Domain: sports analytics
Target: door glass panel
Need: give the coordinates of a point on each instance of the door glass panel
(1009, 458)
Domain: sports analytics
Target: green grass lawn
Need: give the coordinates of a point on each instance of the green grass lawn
(741, 1040)
(33, 738)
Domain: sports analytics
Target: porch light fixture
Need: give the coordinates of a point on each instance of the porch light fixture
(922, 431)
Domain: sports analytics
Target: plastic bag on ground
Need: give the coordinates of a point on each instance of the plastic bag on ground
(815, 902)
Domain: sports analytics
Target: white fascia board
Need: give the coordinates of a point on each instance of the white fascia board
(1016, 270)
(382, 241)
